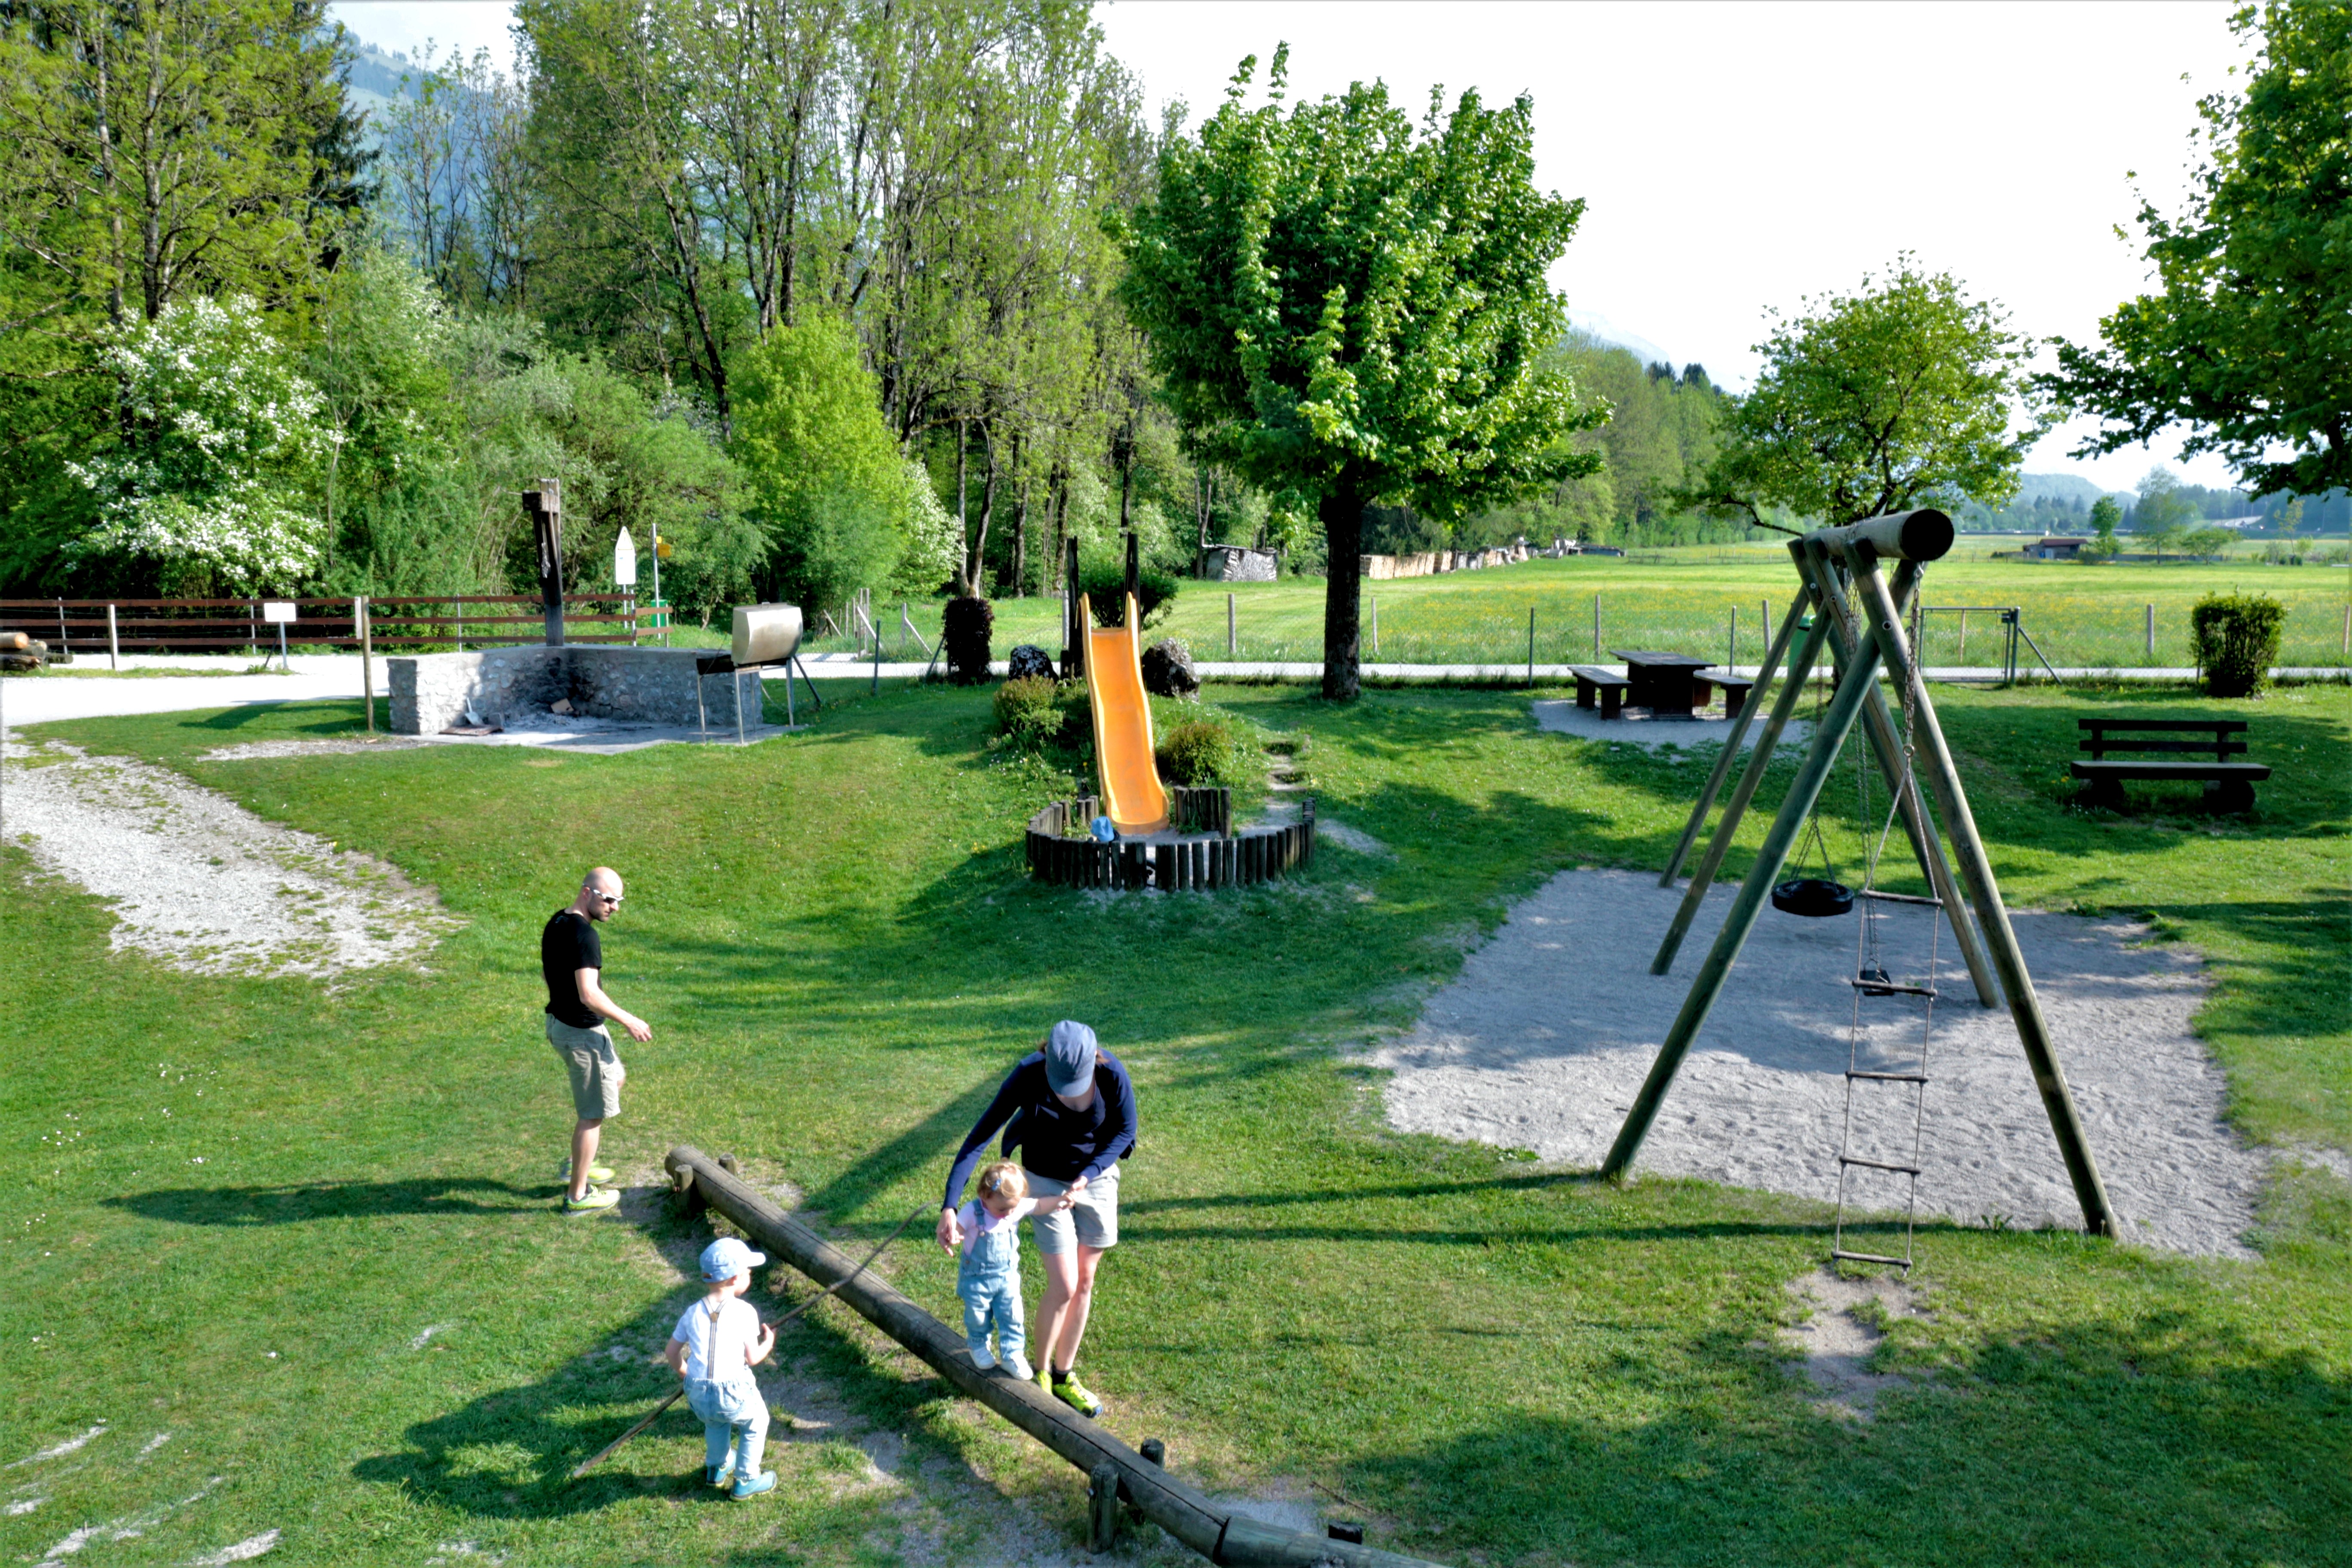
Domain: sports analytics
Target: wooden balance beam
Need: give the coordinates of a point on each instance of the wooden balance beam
(1119, 1474)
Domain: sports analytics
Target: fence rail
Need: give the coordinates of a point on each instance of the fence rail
(1409, 625)
(394, 622)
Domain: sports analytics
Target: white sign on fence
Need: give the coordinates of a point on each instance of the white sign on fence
(624, 560)
(277, 612)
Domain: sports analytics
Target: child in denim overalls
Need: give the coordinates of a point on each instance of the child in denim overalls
(989, 1277)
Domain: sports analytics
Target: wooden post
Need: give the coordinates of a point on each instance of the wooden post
(1731, 747)
(113, 644)
(1963, 655)
(1885, 624)
(2151, 633)
(545, 507)
(367, 658)
(1102, 1497)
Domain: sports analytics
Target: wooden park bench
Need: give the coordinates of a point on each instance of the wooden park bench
(1591, 678)
(1735, 689)
(2229, 786)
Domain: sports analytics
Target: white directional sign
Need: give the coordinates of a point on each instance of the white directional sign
(624, 560)
(277, 612)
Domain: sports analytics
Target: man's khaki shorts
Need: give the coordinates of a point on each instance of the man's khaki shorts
(1092, 1221)
(596, 1073)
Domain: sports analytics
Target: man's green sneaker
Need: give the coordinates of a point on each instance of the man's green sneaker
(1066, 1388)
(595, 1173)
(592, 1200)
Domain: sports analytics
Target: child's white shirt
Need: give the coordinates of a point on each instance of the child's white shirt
(977, 1218)
(720, 1351)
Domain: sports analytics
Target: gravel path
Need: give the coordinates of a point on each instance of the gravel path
(1542, 1040)
(199, 882)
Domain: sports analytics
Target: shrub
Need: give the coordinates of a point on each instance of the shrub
(1105, 585)
(1025, 709)
(2236, 640)
(965, 629)
(1200, 752)
(1036, 713)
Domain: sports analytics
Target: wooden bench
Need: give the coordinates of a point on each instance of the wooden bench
(1590, 679)
(2229, 785)
(1735, 689)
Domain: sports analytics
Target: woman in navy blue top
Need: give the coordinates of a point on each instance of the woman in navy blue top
(1069, 1108)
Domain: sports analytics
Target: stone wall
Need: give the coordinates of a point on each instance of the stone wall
(623, 685)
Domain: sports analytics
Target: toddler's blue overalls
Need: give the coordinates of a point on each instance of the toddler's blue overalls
(989, 1280)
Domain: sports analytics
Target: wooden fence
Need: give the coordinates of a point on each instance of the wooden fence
(395, 623)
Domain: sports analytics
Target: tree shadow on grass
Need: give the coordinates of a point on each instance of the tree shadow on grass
(2152, 1441)
(295, 1204)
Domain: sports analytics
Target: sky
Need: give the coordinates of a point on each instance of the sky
(1737, 158)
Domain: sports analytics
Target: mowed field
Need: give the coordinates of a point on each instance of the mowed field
(281, 1263)
(1696, 600)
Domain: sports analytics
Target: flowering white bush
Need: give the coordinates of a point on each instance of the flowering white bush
(223, 452)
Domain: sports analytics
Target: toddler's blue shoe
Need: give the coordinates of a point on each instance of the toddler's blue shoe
(753, 1485)
(719, 1474)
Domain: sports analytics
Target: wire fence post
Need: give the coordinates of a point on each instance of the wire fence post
(1375, 603)
(1233, 641)
(1531, 644)
(2151, 634)
(113, 646)
(1731, 663)
(1596, 629)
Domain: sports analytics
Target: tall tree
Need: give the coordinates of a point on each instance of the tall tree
(2249, 342)
(1338, 306)
(1899, 393)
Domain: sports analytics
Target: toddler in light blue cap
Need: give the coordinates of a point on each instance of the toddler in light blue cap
(716, 1345)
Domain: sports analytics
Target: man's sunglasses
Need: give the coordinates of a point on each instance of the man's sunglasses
(613, 900)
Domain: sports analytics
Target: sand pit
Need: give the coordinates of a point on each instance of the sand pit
(199, 882)
(1552, 1024)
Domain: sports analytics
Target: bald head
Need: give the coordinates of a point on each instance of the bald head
(600, 894)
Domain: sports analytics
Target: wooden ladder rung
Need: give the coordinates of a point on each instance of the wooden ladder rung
(1879, 1164)
(1888, 1077)
(1900, 898)
(1869, 1257)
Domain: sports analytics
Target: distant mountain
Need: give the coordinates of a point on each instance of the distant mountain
(2068, 490)
(1596, 325)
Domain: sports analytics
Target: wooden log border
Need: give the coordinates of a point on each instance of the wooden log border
(1222, 857)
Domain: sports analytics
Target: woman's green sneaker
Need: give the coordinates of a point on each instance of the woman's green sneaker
(1066, 1388)
(592, 1200)
(595, 1173)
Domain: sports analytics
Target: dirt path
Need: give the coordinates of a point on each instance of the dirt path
(200, 882)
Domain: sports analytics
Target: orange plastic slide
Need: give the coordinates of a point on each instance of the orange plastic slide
(1132, 798)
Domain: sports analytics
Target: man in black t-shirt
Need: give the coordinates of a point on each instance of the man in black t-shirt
(572, 956)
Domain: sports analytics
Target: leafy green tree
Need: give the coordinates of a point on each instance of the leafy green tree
(214, 481)
(827, 484)
(2105, 516)
(2250, 340)
(1898, 393)
(1338, 306)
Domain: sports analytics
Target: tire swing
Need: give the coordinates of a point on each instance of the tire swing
(1814, 898)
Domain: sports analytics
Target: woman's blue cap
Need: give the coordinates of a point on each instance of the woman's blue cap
(1069, 1056)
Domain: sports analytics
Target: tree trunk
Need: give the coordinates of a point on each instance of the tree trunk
(963, 528)
(1020, 526)
(987, 510)
(1342, 511)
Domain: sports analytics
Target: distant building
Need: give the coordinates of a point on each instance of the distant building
(2056, 548)
(1237, 563)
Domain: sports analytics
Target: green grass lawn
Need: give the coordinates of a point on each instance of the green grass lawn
(236, 1206)
(1685, 601)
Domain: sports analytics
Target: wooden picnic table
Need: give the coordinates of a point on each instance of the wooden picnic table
(1661, 682)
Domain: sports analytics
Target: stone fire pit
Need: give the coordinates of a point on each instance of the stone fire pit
(518, 686)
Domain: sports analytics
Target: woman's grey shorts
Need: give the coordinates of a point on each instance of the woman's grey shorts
(1092, 1221)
